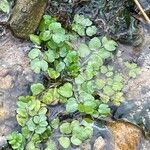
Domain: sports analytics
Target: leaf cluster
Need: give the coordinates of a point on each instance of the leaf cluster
(74, 133)
(83, 26)
(133, 69)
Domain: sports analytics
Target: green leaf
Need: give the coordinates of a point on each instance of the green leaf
(50, 96)
(4, 6)
(35, 39)
(50, 145)
(110, 45)
(118, 98)
(65, 128)
(55, 123)
(40, 130)
(58, 37)
(34, 53)
(66, 90)
(100, 83)
(49, 56)
(37, 88)
(109, 74)
(108, 90)
(84, 50)
(79, 79)
(31, 125)
(16, 140)
(117, 86)
(64, 142)
(38, 65)
(85, 97)
(45, 35)
(75, 141)
(71, 105)
(104, 110)
(88, 87)
(94, 43)
(55, 26)
(103, 69)
(52, 73)
(105, 98)
(60, 66)
(104, 53)
(90, 31)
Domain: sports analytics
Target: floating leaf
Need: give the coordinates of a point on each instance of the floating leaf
(37, 88)
(75, 141)
(90, 31)
(37, 65)
(71, 105)
(55, 123)
(65, 128)
(94, 43)
(34, 53)
(60, 66)
(104, 110)
(84, 50)
(108, 90)
(64, 142)
(110, 45)
(66, 90)
(52, 73)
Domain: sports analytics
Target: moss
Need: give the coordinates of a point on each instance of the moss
(26, 16)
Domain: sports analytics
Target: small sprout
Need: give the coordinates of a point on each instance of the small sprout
(104, 110)
(108, 44)
(133, 69)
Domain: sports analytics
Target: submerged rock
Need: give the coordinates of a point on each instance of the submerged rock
(136, 108)
(26, 16)
(99, 143)
(125, 135)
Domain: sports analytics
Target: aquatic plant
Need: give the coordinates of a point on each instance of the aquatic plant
(80, 79)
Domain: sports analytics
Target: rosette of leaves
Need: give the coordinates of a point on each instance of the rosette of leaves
(110, 85)
(16, 140)
(83, 26)
(37, 62)
(61, 94)
(133, 69)
(28, 106)
(50, 29)
(37, 124)
(74, 133)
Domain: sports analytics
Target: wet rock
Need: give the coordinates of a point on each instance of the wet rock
(25, 17)
(3, 141)
(6, 82)
(99, 144)
(85, 146)
(136, 108)
(125, 135)
(15, 78)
